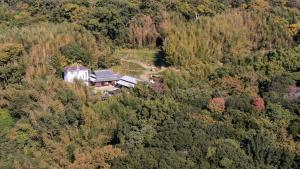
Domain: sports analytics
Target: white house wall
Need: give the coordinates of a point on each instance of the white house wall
(70, 76)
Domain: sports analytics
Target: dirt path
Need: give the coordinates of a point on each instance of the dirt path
(149, 69)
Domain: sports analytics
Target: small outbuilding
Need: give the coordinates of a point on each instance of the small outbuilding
(104, 78)
(127, 81)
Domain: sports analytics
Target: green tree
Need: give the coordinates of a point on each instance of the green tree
(294, 128)
(75, 53)
(55, 62)
(265, 154)
(111, 17)
(12, 67)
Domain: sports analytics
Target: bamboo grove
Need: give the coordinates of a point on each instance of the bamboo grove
(229, 97)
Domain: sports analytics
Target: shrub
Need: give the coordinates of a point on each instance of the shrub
(55, 63)
(280, 84)
(6, 121)
(239, 102)
(277, 112)
(108, 62)
(265, 153)
(292, 105)
(75, 53)
(294, 128)
(259, 104)
(217, 104)
(12, 68)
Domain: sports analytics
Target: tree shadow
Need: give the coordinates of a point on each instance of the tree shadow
(114, 140)
(160, 59)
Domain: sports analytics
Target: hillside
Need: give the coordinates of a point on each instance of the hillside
(212, 84)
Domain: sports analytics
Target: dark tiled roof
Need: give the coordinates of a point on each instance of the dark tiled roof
(75, 68)
(106, 76)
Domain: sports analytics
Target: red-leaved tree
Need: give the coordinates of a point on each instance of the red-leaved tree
(259, 103)
(216, 104)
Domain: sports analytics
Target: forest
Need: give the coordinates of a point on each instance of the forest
(228, 98)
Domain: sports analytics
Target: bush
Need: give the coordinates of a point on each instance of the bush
(259, 104)
(108, 62)
(55, 63)
(292, 105)
(12, 67)
(6, 121)
(294, 129)
(280, 84)
(217, 104)
(277, 112)
(240, 102)
(75, 53)
(265, 154)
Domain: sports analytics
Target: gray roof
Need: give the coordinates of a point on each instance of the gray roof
(106, 76)
(75, 68)
(130, 79)
(126, 84)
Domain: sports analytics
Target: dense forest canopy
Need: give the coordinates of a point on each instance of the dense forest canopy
(229, 97)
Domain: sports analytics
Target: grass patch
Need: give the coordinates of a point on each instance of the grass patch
(143, 55)
(128, 68)
(6, 121)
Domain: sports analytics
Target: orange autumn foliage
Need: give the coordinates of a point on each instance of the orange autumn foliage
(217, 104)
(259, 104)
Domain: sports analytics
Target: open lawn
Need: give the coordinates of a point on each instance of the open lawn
(148, 56)
(141, 63)
(129, 68)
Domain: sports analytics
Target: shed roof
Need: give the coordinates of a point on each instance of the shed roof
(126, 84)
(130, 79)
(106, 75)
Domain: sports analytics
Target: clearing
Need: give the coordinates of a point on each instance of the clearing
(141, 63)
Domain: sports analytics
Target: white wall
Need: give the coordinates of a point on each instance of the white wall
(70, 76)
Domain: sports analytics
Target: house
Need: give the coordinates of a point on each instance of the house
(127, 81)
(104, 78)
(76, 72)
